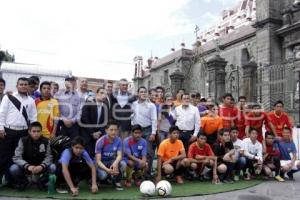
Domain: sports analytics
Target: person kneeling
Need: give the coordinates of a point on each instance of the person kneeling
(171, 156)
(32, 157)
(253, 153)
(271, 157)
(289, 163)
(200, 155)
(75, 164)
(135, 152)
(109, 156)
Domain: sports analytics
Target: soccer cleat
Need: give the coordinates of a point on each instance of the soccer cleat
(278, 178)
(179, 180)
(128, 183)
(236, 178)
(119, 187)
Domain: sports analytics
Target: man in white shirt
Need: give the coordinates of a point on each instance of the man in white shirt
(188, 120)
(239, 151)
(253, 153)
(145, 115)
(16, 112)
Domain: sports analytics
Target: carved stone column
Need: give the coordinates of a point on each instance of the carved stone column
(249, 81)
(177, 79)
(216, 77)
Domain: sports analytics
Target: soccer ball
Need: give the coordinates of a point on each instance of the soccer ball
(147, 188)
(164, 188)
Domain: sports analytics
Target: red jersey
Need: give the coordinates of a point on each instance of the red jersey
(240, 124)
(194, 150)
(228, 115)
(279, 122)
(257, 122)
(272, 151)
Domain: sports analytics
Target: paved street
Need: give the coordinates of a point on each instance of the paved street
(269, 190)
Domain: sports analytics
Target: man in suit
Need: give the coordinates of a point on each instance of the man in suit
(111, 100)
(121, 110)
(94, 118)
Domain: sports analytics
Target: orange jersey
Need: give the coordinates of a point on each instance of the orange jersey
(47, 110)
(168, 150)
(210, 124)
(279, 122)
(228, 115)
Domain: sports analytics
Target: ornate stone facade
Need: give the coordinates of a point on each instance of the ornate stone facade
(259, 42)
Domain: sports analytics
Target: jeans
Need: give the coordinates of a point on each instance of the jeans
(185, 137)
(18, 173)
(103, 175)
(150, 149)
(78, 171)
(240, 164)
(7, 148)
(163, 135)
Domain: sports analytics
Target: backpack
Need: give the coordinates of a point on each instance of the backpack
(58, 145)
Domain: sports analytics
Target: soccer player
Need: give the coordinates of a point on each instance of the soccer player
(47, 110)
(253, 153)
(171, 156)
(271, 157)
(228, 112)
(225, 153)
(211, 124)
(32, 157)
(256, 119)
(200, 155)
(239, 150)
(289, 164)
(279, 118)
(75, 164)
(240, 121)
(109, 156)
(135, 155)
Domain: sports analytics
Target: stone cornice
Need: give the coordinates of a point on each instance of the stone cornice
(270, 20)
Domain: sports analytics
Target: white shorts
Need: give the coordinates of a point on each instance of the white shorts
(286, 162)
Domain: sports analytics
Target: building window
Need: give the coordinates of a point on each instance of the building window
(166, 77)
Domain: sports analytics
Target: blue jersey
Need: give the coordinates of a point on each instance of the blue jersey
(107, 149)
(67, 157)
(136, 148)
(286, 148)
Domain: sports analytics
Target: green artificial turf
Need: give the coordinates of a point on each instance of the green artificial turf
(108, 192)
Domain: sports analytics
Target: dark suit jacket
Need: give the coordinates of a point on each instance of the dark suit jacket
(123, 118)
(89, 117)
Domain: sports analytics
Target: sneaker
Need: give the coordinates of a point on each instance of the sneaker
(62, 190)
(228, 180)
(247, 177)
(291, 176)
(236, 178)
(179, 180)
(3, 181)
(278, 178)
(138, 182)
(128, 183)
(119, 187)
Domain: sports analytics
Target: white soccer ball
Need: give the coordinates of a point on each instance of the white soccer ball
(163, 188)
(147, 188)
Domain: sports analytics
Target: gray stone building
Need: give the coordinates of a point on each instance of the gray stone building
(253, 51)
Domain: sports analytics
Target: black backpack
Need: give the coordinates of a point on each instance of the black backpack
(58, 145)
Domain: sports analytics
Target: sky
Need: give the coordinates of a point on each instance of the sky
(99, 38)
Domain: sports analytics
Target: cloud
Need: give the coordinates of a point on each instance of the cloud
(81, 35)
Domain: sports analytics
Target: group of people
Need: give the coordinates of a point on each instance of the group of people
(116, 135)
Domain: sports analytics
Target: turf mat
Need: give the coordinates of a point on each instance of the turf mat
(194, 188)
